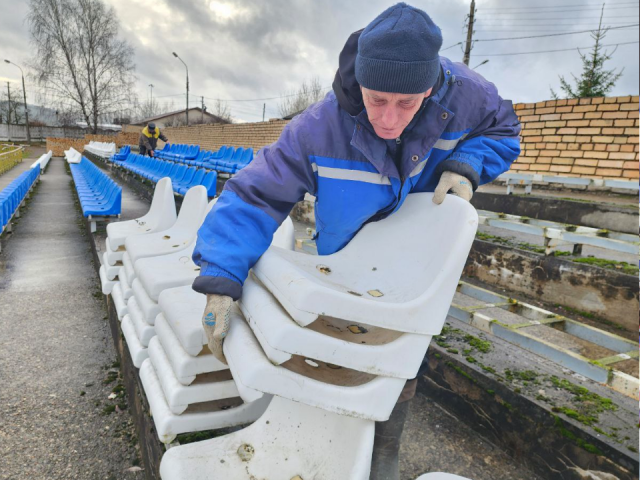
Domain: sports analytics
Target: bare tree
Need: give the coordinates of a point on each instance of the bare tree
(221, 109)
(296, 101)
(12, 107)
(77, 55)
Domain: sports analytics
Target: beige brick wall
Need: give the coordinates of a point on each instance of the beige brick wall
(586, 137)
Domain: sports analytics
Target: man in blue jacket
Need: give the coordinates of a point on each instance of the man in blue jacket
(401, 119)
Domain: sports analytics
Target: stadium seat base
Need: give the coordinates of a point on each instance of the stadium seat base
(209, 387)
(205, 416)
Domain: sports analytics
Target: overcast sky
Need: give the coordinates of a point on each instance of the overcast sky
(251, 49)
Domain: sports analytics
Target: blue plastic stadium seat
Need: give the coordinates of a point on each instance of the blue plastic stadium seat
(122, 155)
(12, 195)
(99, 195)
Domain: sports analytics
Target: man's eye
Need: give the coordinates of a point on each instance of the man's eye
(378, 102)
(407, 105)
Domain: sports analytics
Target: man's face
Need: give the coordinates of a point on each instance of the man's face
(390, 113)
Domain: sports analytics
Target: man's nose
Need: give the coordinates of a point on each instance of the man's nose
(389, 117)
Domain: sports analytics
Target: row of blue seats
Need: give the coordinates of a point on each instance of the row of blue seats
(99, 195)
(226, 159)
(12, 195)
(121, 155)
(182, 176)
(178, 152)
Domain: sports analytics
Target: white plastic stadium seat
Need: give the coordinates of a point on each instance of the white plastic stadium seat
(161, 216)
(364, 283)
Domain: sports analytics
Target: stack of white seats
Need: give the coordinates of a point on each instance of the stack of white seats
(333, 339)
(138, 324)
(161, 216)
(187, 388)
(101, 149)
(42, 162)
(72, 155)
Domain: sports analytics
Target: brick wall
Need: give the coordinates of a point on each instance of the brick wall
(587, 137)
(59, 145)
(212, 137)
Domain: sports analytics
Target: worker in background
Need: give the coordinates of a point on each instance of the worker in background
(400, 120)
(149, 139)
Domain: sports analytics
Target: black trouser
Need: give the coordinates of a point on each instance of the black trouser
(144, 151)
(409, 390)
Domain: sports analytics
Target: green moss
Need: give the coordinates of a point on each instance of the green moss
(517, 390)
(466, 351)
(437, 355)
(470, 359)
(559, 425)
(452, 350)
(460, 371)
(624, 267)
(491, 392)
(584, 419)
(487, 369)
(633, 449)
(524, 375)
(185, 438)
(559, 253)
(83, 393)
(482, 345)
(109, 409)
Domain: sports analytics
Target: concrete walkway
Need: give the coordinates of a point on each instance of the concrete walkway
(57, 361)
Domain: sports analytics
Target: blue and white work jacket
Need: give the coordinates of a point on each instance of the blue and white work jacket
(464, 127)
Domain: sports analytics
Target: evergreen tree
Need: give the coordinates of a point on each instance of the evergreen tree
(595, 80)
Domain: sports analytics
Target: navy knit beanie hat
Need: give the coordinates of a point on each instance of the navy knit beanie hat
(398, 51)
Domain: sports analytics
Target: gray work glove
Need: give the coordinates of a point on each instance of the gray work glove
(458, 184)
(215, 321)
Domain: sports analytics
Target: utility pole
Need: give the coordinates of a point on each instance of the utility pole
(186, 111)
(264, 106)
(467, 47)
(202, 100)
(24, 93)
(8, 105)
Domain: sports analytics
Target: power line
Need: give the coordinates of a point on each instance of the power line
(550, 51)
(559, 6)
(605, 18)
(560, 11)
(551, 34)
(451, 46)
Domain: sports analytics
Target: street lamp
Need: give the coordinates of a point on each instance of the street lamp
(186, 111)
(24, 92)
(480, 64)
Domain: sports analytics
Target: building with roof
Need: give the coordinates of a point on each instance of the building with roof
(178, 118)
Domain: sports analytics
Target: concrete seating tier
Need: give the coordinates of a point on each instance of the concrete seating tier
(101, 149)
(12, 196)
(122, 155)
(99, 195)
(324, 376)
(42, 162)
(182, 176)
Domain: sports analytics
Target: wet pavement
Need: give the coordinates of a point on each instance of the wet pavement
(57, 361)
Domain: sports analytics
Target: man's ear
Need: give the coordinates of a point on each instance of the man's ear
(428, 92)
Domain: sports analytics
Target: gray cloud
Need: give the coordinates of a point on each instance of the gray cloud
(270, 47)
